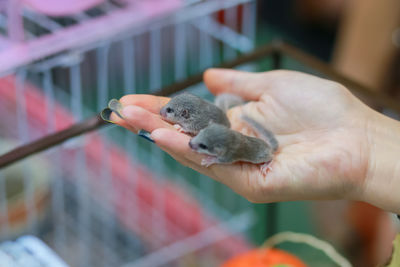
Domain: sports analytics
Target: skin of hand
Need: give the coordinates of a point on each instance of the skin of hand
(331, 145)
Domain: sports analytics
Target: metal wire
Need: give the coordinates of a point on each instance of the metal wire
(104, 206)
(280, 48)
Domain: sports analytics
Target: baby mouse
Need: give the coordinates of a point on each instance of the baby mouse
(191, 113)
(224, 146)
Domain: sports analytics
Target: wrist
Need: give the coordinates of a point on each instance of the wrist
(381, 186)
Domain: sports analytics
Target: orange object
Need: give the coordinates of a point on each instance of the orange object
(265, 257)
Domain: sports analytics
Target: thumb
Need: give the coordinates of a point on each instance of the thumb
(245, 84)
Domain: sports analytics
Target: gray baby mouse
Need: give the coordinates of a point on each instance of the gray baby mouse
(191, 113)
(225, 146)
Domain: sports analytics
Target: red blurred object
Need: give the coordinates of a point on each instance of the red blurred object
(375, 232)
(267, 257)
(221, 16)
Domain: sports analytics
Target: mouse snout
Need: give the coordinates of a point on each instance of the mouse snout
(163, 112)
(193, 146)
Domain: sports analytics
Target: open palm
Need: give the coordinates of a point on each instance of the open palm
(319, 124)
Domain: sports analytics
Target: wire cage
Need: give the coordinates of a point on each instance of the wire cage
(109, 198)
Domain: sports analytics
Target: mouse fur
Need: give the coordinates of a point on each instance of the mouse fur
(192, 113)
(223, 145)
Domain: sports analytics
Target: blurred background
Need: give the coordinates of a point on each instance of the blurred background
(111, 198)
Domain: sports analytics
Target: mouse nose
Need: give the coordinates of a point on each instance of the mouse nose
(193, 146)
(163, 112)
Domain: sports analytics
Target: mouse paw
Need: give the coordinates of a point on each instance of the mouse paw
(208, 161)
(180, 129)
(266, 167)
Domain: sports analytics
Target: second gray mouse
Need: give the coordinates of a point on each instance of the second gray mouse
(225, 146)
(191, 113)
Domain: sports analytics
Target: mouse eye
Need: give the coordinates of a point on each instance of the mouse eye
(185, 114)
(202, 146)
(169, 110)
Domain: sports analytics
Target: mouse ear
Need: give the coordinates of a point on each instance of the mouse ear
(185, 113)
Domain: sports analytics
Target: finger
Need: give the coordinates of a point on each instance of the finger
(245, 84)
(150, 102)
(176, 144)
(140, 118)
(186, 162)
(114, 118)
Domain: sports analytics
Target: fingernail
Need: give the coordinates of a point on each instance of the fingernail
(123, 112)
(145, 135)
(105, 115)
(116, 107)
(113, 106)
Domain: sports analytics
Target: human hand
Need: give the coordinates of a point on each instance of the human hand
(321, 127)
